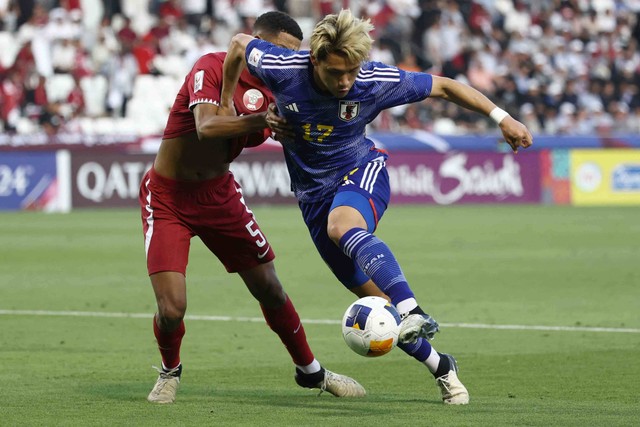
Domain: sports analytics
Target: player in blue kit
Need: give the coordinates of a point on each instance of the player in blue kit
(327, 96)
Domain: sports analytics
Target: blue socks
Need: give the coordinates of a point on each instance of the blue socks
(376, 261)
(420, 350)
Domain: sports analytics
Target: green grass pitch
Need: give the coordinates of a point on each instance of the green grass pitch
(529, 266)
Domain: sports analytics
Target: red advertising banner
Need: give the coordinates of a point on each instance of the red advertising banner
(112, 180)
(263, 176)
(102, 179)
(105, 179)
(464, 177)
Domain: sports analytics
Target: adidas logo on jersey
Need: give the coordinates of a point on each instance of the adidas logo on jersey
(292, 107)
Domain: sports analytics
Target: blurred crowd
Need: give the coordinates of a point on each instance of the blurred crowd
(560, 66)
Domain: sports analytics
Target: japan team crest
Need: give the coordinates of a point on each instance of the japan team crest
(349, 110)
(253, 99)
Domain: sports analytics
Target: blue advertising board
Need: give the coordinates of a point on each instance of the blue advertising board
(28, 180)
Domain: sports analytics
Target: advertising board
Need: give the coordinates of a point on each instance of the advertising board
(481, 177)
(605, 177)
(465, 177)
(107, 179)
(30, 181)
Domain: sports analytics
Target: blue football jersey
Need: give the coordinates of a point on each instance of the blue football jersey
(330, 137)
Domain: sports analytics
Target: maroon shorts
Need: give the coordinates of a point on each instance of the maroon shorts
(214, 210)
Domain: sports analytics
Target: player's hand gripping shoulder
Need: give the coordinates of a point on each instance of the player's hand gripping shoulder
(278, 124)
(515, 133)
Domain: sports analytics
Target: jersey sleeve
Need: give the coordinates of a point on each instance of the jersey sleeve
(205, 81)
(269, 62)
(408, 88)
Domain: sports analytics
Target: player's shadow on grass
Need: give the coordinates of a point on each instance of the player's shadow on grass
(344, 406)
(293, 398)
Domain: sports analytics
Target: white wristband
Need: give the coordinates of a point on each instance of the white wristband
(498, 114)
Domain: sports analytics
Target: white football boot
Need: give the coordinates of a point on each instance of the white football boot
(416, 326)
(452, 389)
(166, 386)
(336, 384)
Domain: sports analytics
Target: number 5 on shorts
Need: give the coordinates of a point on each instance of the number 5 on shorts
(256, 232)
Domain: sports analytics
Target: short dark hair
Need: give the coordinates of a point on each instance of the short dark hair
(274, 22)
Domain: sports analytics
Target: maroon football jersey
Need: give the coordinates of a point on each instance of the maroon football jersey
(202, 86)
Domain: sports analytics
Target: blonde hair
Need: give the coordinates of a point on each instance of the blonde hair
(342, 34)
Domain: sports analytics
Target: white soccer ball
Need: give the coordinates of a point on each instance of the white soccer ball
(370, 326)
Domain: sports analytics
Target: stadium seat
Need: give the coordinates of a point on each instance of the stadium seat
(105, 126)
(151, 101)
(94, 89)
(26, 126)
(58, 87)
(169, 87)
(9, 47)
(171, 65)
(126, 126)
(86, 125)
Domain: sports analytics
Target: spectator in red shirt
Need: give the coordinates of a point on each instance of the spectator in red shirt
(126, 35)
(160, 30)
(145, 51)
(170, 8)
(24, 61)
(70, 5)
(35, 99)
(11, 97)
(75, 99)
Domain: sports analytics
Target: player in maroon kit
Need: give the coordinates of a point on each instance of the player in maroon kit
(190, 191)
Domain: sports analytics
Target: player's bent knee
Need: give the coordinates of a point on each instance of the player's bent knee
(170, 316)
(342, 219)
(168, 324)
(171, 297)
(336, 230)
(171, 312)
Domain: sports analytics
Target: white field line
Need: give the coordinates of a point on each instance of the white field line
(313, 321)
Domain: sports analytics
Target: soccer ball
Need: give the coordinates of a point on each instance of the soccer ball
(370, 326)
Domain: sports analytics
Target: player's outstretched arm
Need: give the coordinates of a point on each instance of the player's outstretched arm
(515, 133)
(233, 65)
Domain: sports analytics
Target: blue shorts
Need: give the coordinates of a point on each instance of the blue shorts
(365, 189)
